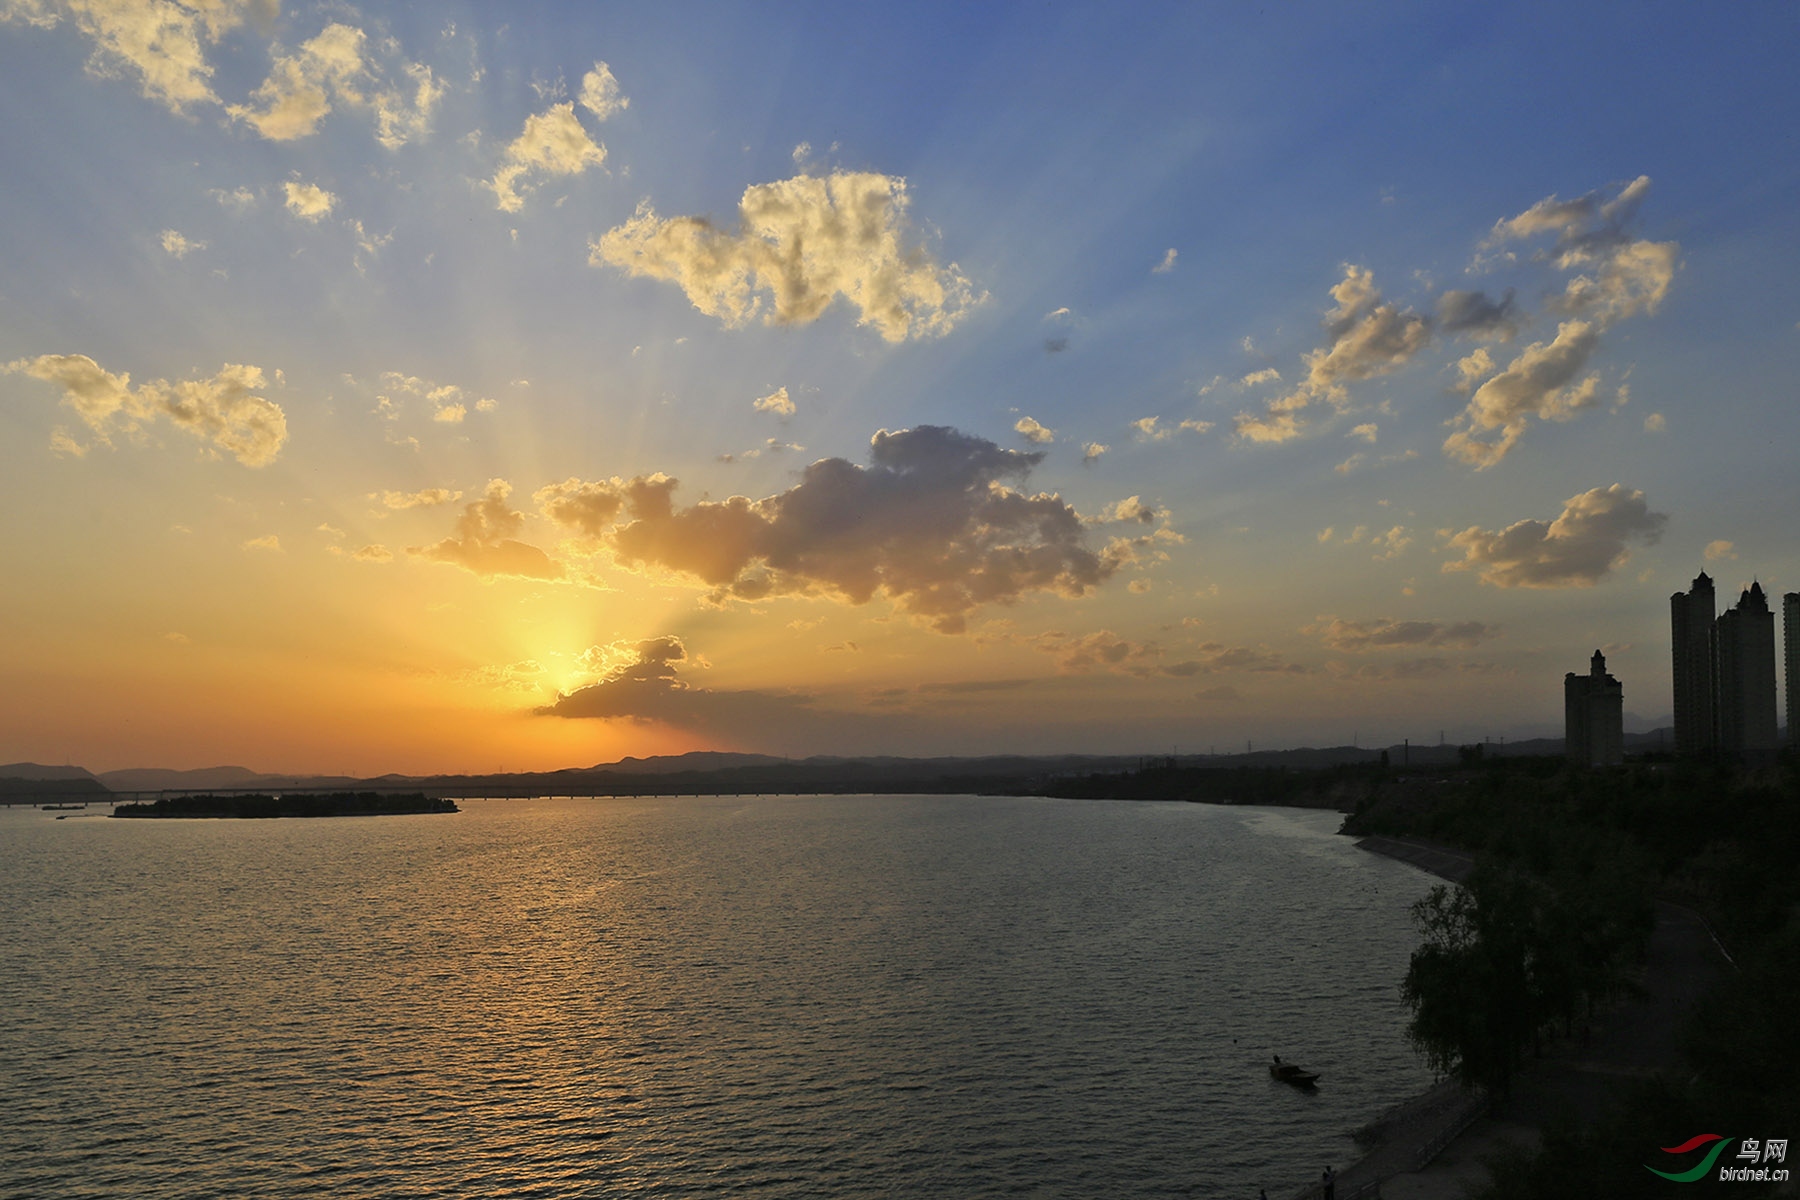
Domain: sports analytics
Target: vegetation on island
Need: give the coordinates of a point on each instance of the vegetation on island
(328, 804)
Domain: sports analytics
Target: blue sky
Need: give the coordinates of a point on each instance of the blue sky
(379, 379)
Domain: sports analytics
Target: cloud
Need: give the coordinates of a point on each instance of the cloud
(800, 244)
(223, 410)
(161, 42)
(647, 686)
(1091, 452)
(429, 498)
(600, 93)
(483, 541)
(1258, 378)
(588, 509)
(1167, 264)
(1621, 277)
(931, 524)
(1099, 651)
(177, 246)
(1366, 337)
(1367, 432)
(1147, 431)
(1656, 423)
(1577, 549)
(1474, 314)
(308, 201)
(299, 90)
(1721, 549)
(449, 402)
(1132, 509)
(776, 402)
(1029, 429)
(1218, 658)
(268, 542)
(238, 200)
(372, 554)
(1541, 382)
(552, 143)
(1382, 633)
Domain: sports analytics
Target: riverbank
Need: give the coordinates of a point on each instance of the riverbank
(1434, 1147)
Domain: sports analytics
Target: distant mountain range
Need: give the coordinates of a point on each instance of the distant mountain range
(708, 772)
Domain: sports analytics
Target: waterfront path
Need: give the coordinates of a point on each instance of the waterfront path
(1448, 1130)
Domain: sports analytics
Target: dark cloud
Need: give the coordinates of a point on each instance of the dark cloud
(1477, 315)
(931, 523)
(650, 688)
(1578, 549)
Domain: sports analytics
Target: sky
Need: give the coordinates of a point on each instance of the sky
(466, 387)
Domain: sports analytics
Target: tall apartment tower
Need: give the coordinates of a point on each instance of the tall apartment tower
(1594, 716)
(1746, 673)
(1790, 625)
(1691, 616)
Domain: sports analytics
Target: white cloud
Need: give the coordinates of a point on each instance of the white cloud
(177, 246)
(552, 143)
(1541, 382)
(1578, 549)
(1029, 429)
(1367, 432)
(1716, 551)
(299, 90)
(223, 410)
(308, 201)
(268, 542)
(600, 93)
(161, 42)
(800, 244)
(1167, 264)
(1091, 452)
(776, 402)
(1366, 337)
(238, 200)
(1147, 430)
(1655, 423)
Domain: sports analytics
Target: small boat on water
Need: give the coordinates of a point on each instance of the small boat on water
(1292, 1073)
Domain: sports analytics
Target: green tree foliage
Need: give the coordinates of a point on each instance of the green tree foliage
(1511, 952)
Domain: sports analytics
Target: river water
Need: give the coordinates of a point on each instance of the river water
(818, 996)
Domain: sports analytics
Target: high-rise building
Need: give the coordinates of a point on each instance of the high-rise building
(1790, 627)
(1594, 716)
(1691, 616)
(1745, 638)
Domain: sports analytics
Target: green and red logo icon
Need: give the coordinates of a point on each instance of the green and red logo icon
(1705, 1165)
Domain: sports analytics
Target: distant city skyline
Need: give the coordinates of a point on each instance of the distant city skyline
(455, 388)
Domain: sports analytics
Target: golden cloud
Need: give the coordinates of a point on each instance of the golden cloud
(223, 410)
(800, 245)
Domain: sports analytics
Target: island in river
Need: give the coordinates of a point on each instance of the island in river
(326, 804)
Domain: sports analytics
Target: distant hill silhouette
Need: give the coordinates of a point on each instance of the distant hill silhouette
(708, 771)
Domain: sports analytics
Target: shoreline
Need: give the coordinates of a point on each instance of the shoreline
(1632, 1041)
(1414, 1132)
